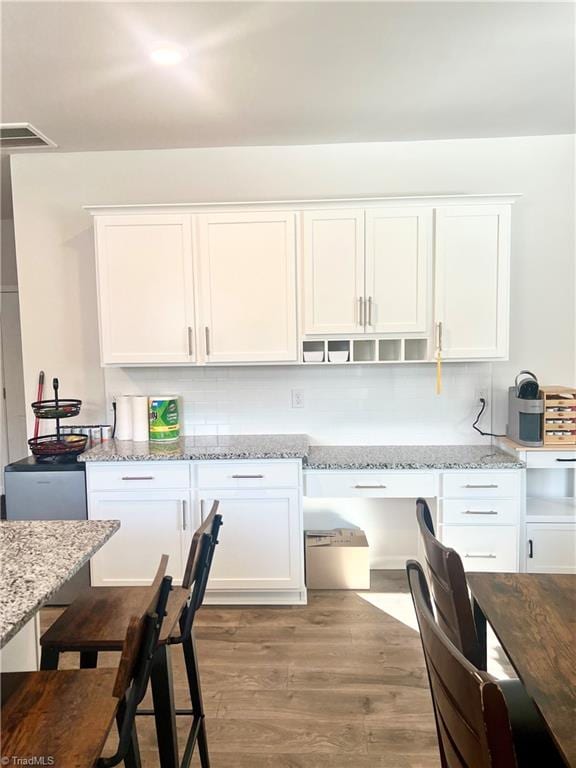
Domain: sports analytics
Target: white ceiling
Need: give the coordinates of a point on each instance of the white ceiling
(287, 72)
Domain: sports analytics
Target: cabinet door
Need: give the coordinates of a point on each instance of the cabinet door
(260, 544)
(248, 274)
(398, 250)
(145, 290)
(472, 280)
(152, 523)
(333, 271)
(551, 548)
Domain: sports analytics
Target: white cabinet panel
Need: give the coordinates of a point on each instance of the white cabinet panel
(481, 484)
(370, 485)
(152, 523)
(248, 279)
(481, 511)
(471, 280)
(551, 548)
(483, 548)
(398, 252)
(133, 475)
(333, 271)
(260, 543)
(144, 265)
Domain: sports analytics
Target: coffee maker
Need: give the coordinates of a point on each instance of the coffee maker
(525, 411)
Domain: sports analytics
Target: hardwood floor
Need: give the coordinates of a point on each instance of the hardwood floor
(336, 683)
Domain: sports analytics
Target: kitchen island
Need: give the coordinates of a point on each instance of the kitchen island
(37, 558)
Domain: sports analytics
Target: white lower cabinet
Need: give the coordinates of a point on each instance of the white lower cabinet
(152, 523)
(551, 548)
(483, 547)
(261, 540)
(259, 558)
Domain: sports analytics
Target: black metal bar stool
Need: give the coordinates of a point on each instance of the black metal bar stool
(96, 620)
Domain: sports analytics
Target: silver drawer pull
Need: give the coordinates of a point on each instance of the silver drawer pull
(247, 477)
(142, 477)
(487, 556)
(369, 486)
(488, 485)
(479, 512)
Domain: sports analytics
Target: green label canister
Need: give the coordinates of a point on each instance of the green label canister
(164, 419)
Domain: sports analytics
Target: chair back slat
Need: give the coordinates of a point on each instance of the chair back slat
(141, 626)
(449, 589)
(206, 527)
(206, 539)
(468, 735)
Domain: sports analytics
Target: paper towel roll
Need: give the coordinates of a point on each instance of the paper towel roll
(139, 418)
(123, 418)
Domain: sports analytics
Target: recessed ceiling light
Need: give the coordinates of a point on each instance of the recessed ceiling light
(168, 54)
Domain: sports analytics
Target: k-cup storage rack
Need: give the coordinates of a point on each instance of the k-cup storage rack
(559, 415)
(338, 351)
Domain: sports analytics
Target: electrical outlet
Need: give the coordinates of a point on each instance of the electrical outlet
(297, 398)
(482, 394)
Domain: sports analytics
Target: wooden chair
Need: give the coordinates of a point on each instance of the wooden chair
(67, 715)
(449, 590)
(455, 618)
(96, 621)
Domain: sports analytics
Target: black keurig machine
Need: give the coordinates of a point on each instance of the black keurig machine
(525, 409)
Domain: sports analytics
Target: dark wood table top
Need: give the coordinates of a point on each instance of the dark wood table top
(534, 617)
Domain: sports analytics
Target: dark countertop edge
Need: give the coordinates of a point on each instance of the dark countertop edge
(28, 615)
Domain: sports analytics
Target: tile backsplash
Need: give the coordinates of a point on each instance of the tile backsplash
(348, 404)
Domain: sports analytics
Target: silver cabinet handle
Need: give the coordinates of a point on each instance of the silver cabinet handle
(370, 486)
(142, 477)
(361, 311)
(439, 326)
(184, 526)
(247, 477)
(207, 339)
(487, 556)
(201, 510)
(369, 311)
(471, 485)
(190, 341)
(479, 512)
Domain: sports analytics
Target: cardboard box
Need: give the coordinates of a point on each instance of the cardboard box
(337, 559)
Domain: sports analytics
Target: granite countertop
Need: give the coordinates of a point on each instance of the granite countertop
(410, 457)
(209, 447)
(38, 557)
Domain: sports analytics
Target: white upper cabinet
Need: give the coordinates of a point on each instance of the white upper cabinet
(398, 252)
(472, 264)
(247, 267)
(146, 298)
(333, 271)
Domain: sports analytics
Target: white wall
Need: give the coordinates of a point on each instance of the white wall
(58, 304)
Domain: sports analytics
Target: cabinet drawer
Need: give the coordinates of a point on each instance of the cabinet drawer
(483, 547)
(486, 485)
(551, 459)
(480, 511)
(130, 476)
(338, 484)
(248, 474)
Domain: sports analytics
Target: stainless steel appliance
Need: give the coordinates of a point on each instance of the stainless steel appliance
(525, 410)
(49, 491)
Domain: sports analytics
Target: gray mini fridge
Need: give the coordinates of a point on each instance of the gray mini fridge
(37, 490)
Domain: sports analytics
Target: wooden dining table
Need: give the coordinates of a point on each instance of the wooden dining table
(534, 618)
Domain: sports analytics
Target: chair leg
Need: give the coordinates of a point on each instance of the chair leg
(49, 658)
(196, 697)
(164, 709)
(88, 659)
(132, 758)
(481, 631)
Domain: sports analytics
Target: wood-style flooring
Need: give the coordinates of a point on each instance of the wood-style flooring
(335, 683)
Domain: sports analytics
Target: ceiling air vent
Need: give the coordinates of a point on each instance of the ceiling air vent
(22, 136)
